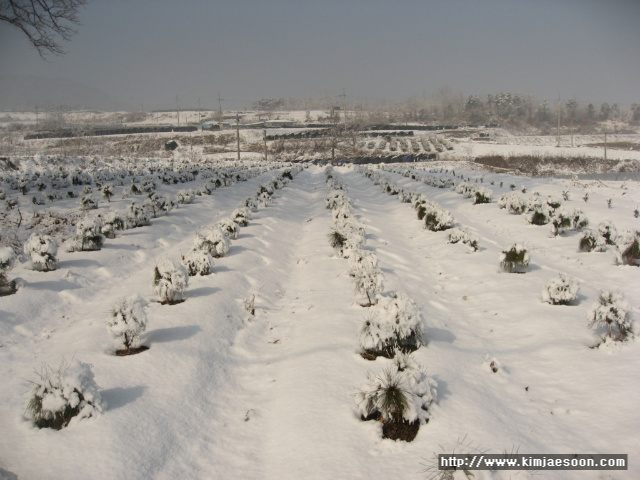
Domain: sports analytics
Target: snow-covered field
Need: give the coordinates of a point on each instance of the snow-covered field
(222, 393)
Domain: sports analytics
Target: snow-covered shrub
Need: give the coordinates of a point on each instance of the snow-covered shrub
(38, 199)
(228, 227)
(592, 242)
(342, 211)
(513, 202)
(126, 321)
(88, 203)
(456, 235)
(367, 276)
(628, 248)
(88, 235)
(264, 199)
(252, 203)
(185, 197)
(553, 202)
(399, 396)
(138, 216)
(158, 204)
(540, 215)
(170, 280)
(482, 195)
(65, 396)
(393, 323)
(213, 241)
(607, 230)
(464, 189)
(515, 259)
(560, 222)
(241, 216)
(348, 235)
(579, 220)
(613, 314)
(107, 192)
(113, 222)
(42, 250)
(561, 290)
(437, 219)
(7, 261)
(198, 262)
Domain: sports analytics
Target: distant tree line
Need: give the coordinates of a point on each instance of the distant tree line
(446, 107)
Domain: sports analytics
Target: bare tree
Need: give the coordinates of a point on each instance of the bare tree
(44, 22)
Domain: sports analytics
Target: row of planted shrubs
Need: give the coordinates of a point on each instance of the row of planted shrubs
(70, 393)
(611, 316)
(539, 211)
(92, 230)
(400, 395)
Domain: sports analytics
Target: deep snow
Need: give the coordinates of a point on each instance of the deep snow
(224, 394)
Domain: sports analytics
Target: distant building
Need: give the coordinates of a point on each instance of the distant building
(278, 123)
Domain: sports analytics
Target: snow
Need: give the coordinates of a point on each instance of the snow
(222, 393)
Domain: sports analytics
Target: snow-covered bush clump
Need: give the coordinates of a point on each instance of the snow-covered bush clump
(612, 314)
(7, 261)
(228, 227)
(88, 203)
(463, 235)
(241, 216)
(368, 278)
(185, 197)
(88, 235)
(438, 219)
(482, 195)
(553, 202)
(348, 235)
(579, 220)
(126, 321)
(561, 290)
(435, 217)
(515, 259)
(212, 240)
(560, 222)
(42, 250)
(198, 262)
(539, 213)
(608, 230)
(113, 222)
(464, 189)
(592, 242)
(138, 216)
(399, 397)
(393, 323)
(157, 204)
(170, 280)
(628, 248)
(107, 192)
(252, 203)
(65, 396)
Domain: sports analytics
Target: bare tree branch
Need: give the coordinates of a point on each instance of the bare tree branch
(44, 22)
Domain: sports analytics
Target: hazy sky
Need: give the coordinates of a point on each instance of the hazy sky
(145, 52)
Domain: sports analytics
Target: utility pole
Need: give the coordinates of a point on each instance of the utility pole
(220, 100)
(178, 109)
(344, 104)
(266, 151)
(558, 134)
(238, 133)
(199, 113)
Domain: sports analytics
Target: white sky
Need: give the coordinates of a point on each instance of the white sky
(145, 52)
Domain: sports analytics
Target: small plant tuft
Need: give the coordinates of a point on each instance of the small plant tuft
(515, 259)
